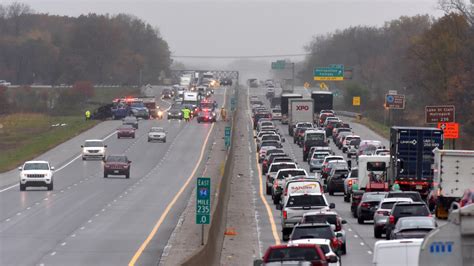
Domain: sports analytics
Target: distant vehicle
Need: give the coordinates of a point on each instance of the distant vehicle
(316, 160)
(414, 195)
(313, 138)
(191, 98)
(167, 94)
(412, 157)
(175, 113)
(138, 109)
(36, 174)
(226, 82)
(335, 181)
(276, 114)
(453, 173)
(206, 116)
(325, 245)
(368, 205)
(157, 134)
(295, 253)
(93, 148)
(119, 109)
(117, 165)
(333, 219)
(403, 252)
(130, 120)
(382, 213)
(272, 171)
(285, 105)
(280, 180)
(316, 230)
(404, 209)
(413, 227)
(323, 100)
(126, 131)
(5, 83)
(352, 179)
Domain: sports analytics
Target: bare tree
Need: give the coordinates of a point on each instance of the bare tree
(460, 6)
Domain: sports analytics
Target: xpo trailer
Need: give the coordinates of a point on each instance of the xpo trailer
(285, 97)
(453, 173)
(299, 110)
(411, 155)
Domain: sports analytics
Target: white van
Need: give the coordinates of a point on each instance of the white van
(403, 252)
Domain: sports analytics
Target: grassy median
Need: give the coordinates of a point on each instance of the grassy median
(25, 136)
(375, 126)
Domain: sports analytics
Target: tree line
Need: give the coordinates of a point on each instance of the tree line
(48, 49)
(429, 60)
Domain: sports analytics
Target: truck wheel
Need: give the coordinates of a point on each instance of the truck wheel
(22, 187)
(269, 190)
(377, 233)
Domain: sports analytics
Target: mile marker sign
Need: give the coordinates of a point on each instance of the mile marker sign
(203, 200)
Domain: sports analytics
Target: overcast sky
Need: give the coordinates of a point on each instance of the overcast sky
(244, 27)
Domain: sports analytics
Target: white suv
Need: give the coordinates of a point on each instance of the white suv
(93, 148)
(36, 174)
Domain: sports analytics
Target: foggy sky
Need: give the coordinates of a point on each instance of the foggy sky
(243, 27)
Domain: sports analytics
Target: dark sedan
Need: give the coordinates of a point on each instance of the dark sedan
(126, 131)
(130, 120)
(206, 116)
(117, 165)
(175, 113)
(413, 227)
(368, 205)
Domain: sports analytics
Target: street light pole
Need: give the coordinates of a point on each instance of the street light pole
(293, 77)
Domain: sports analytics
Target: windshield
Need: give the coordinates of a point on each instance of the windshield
(315, 136)
(285, 174)
(417, 223)
(276, 167)
(414, 196)
(293, 253)
(271, 137)
(137, 104)
(355, 173)
(207, 105)
(114, 158)
(373, 197)
(36, 166)
(94, 144)
(376, 166)
(305, 125)
(270, 143)
(303, 232)
(157, 129)
(320, 155)
(306, 201)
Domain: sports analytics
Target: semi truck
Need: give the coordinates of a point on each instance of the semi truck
(285, 97)
(323, 100)
(299, 110)
(412, 157)
(453, 173)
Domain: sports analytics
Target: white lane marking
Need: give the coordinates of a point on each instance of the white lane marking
(73, 235)
(82, 228)
(63, 243)
(370, 252)
(45, 199)
(28, 208)
(53, 253)
(62, 167)
(350, 230)
(90, 221)
(361, 243)
(7, 220)
(356, 236)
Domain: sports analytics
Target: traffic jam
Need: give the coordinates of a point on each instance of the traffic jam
(191, 98)
(402, 191)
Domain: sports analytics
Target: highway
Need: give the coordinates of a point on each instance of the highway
(360, 239)
(90, 220)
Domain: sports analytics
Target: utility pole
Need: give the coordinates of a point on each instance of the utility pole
(293, 77)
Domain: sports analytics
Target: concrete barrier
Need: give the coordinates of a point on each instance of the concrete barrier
(210, 253)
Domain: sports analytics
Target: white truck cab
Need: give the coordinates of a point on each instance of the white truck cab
(36, 174)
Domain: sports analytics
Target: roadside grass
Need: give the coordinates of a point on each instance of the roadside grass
(379, 128)
(24, 136)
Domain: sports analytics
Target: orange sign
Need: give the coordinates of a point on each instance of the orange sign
(450, 130)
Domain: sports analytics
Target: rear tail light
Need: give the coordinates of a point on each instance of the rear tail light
(335, 243)
(285, 215)
(338, 225)
(384, 213)
(349, 182)
(430, 215)
(275, 184)
(391, 219)
(365, 205)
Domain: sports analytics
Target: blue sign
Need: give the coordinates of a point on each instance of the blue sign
(390, 98)
(441, 247)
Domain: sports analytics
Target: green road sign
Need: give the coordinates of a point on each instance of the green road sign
(203, 200)
(280, 64)
(329, 73)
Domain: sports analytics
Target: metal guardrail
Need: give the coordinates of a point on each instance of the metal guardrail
(347, 113)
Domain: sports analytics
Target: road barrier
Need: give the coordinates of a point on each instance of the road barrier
(210, 252)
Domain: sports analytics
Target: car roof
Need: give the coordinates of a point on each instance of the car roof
(37, 162)
(317, 241)
(93, 140)
(396, 200)
(313, 225)
(315, 131)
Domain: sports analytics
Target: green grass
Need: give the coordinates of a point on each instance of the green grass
(377, 127)
(25, 136)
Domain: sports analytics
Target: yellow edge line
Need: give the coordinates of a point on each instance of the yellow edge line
(152, 234)
(264, 200)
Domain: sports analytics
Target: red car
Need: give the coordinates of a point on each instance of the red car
(117, 165)
(126, 131)
(295, 253)
(206, 116)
